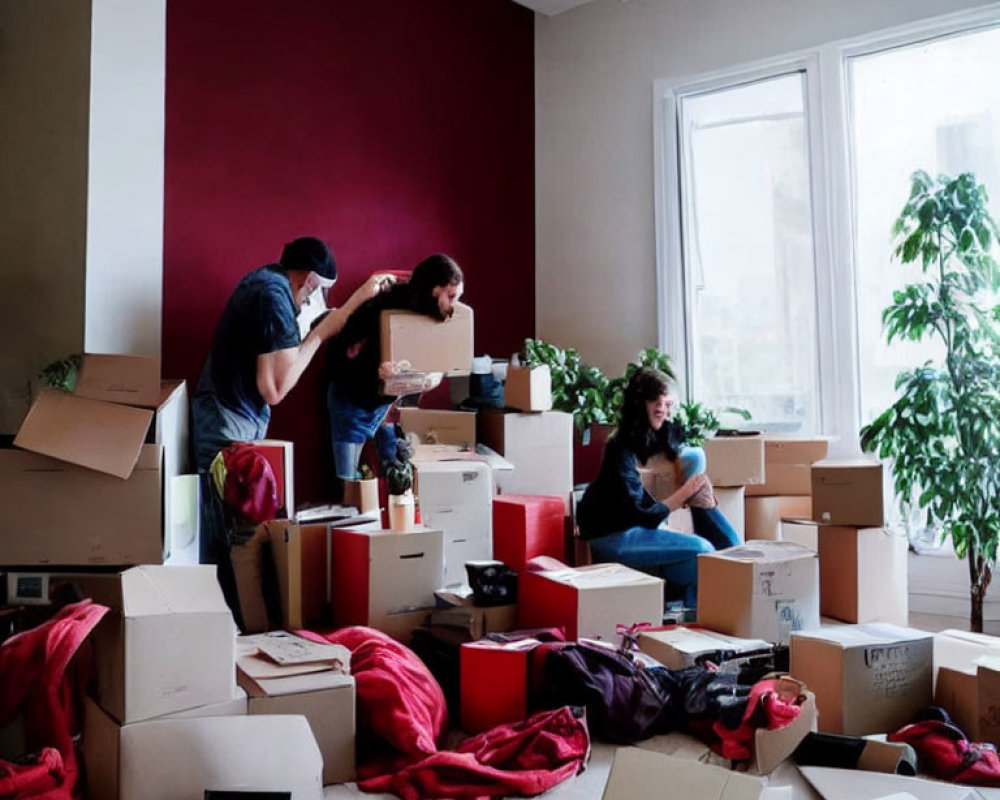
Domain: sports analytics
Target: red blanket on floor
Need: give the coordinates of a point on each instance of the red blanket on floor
(401, 702)
(35, 686)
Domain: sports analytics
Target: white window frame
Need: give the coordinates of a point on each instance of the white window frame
(832, 171)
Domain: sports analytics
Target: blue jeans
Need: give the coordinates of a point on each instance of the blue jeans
(674, 555)
(350, 427)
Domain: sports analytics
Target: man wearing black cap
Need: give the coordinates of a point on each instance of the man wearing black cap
(258, 353)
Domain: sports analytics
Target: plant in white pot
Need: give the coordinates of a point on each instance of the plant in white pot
(399, 485)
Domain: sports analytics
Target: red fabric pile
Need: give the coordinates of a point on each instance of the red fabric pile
(401, 703)
(944, 752)
(767, 707)
(37, 687)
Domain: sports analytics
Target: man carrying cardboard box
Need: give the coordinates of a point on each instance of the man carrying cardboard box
(257, 356)
(356, 399)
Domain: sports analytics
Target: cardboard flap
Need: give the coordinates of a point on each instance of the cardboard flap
(850, 784)
(150, 590)
(599, 576)
(771, 747)
(106, 437)
(765, 551)
(131, 380)
(643, 775)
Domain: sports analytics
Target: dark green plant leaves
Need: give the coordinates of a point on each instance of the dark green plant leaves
(942, 433)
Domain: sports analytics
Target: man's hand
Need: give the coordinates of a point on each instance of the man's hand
(389, 368)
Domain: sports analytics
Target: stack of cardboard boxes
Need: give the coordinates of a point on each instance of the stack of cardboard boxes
(787, 487)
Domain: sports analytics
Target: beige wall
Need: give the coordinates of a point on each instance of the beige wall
(44, 88)
(594, 73)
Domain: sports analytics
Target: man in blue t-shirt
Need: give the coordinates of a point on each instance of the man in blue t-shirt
(258, 353)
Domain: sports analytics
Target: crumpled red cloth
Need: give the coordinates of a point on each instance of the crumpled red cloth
(251, 490)
(944, 752)
(36, 686)
(525, 758)
(399, 701)
(767, 707)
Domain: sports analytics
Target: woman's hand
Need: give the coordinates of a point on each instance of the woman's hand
(696, 489)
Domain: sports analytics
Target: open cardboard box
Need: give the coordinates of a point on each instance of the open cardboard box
(643, 775)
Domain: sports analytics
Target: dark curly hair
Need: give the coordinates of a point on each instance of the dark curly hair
(645, 385)
(434, 271)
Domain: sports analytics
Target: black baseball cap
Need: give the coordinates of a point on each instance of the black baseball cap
(310, 254)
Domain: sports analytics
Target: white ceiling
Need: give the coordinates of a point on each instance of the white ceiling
(551, 7)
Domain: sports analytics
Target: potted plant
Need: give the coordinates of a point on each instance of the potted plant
(399, 485)
(942, 433)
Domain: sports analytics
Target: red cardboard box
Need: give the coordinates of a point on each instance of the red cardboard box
(494, 683)
(525, 526)
(589, 602)
(383, 579)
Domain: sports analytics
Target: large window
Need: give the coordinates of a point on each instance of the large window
(748, 251)
(777, 187)
(932, 105)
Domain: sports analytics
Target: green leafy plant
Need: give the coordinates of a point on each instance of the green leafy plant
(398, 471)
(577, 388)
(699, 422)
(62, 374)
(942, 433)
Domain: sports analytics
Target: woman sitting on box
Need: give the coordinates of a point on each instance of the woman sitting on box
(622, 522)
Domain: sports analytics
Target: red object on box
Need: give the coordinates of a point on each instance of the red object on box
(525, 526)
(494, 683)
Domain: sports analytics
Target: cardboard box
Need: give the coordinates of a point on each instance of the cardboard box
(362, 495)
(61, 513)
(848, 492)
(116, 378)
(957, 656)
(987, 696)
(434, 426)
(166, 759)
(539, 445)
(857, 784)
(772, 747)
(105, 437)
(528, 389)
(476, 621)
(760, 590)
(385, 580)
(494, 682)
(248, 559)
(101, 743)
(734, 460)
(679, 646)
(867, 678)
(429, 345)
(168, 643)
(862, 574)
(764, 514)
(788, 463)
(645, 775)
(800, 530)
(457, 497)
(325, 698)
(301, 556)
(525, 526)
(589, 602)
(500, 468)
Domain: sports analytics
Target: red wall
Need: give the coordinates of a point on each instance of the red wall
(390, 128)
